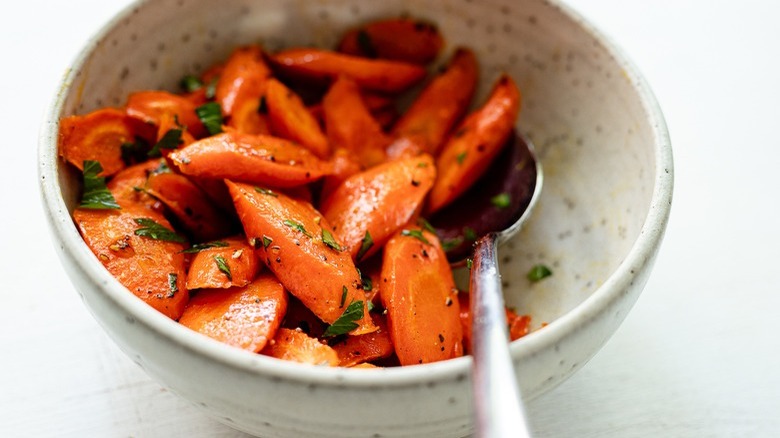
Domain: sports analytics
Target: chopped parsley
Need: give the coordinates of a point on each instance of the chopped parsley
(201, 246)
(469, 234)
(297, 226)
(153, 230)
(223, 266)
(365, 245)
(211, 88)
(327, 239)
(538, 272)
(96, 195)
(426, 225)
(266, 241)
(266, 192)
(365, 281)
(134, 152)
(346, 322)
(469, 263)
(211, 116)
(172, 285)
(190, 83)
(461, 157)
(343, 296)
(170, 140)
(417, 234)
(502, 200)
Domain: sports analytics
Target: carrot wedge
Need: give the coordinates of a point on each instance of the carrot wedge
(419, 294)
(441, 104)
(354, 350)
(351, 126)
(225, 263)
(152, 106)
(470, 150)
(248, 117)
(297, 346)
(299, 247)
(371, 74)
(244, 73)
(97, 136)
(244, 317)
(151, 269)
(378, 202)
(258, 159)
(128, 184)
(401, 39)
(290, 119)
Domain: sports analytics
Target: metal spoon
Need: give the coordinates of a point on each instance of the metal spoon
(498, 407)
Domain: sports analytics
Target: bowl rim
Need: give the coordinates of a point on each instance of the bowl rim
(644, 247)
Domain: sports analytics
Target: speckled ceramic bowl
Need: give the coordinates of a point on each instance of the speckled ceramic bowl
(608, 187)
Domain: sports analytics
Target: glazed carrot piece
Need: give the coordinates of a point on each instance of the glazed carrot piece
(245, 72)
(153, 270)
(419, 294)
(297, 346)
(248, 116)
(151, 106)
(244, 317)
(290, 119)
(344, 166)
(299, 247)
(475, 143)
(349, 124)
(300, 317)
(97, 136)
(167, 123)
(354, 350)
(258, 159)
(321, 66)
(401, 39)
(229, 262)
(441, 104)
(378, 202)
(218, 194)
(128, 184)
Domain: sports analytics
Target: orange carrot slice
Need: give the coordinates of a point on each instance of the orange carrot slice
(248, 116)
(299, 247)
(128, 184)
(354, 350)
(344, 166)
(290, 119)
(151, 106)
(151, 269)
(419, 294)
(371, 74)
(401, 39)
(245, 72)
(475, 143)
(258, 159)
(378, 202)
(244, 317)
(222, 264)
(297, 346)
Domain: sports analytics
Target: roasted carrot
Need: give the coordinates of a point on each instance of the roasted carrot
(401, 39)
(378, 202)
(257, 159)
(249, 116)
(128, 184)
(222, 264)
(297, 346)
(441, 104)
(420, 297)
(97, 136)
(151, 106)
(244, 317)
(349, 124)
(316, 65)
(354, 350)
(300, 317)
(150, 268)
(475, 143)
(245, 73)
(191, 207)
(289, 118)
(344, 166)
(299, 247)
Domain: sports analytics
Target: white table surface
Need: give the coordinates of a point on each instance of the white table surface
(699, 356)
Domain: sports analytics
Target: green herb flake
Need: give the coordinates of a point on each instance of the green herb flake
(469, 234)
(450, 244)
(422, 164)
(153, 230)
(201, 246)
(370, 306)
(170, 140)
(223, 266)
(134, 152)
(365, 281)
(96, 195)
(461, 157)
(365, 245)
(211, 116)
(426, 225)
(502, 200)
(190, 83)
(365, 44)
(211, 88)
(327, 239)
(266, 192)
(417, 234)
(162, 168)
(266, 241)
(346, 322)
(297, 226)
(469, 263)
(343, 296)
(538, 272)
(173, 285)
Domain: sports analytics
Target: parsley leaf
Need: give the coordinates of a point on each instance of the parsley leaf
(153, 230)
(201, 246)
(427, 225)
(211, 116)
(502, 200)
(190, 83)
(170, 140)
(461, 157)
(327, 239)
(417, 234)
(211, 88)
(346, 322)
(268, 192)
(365, 281)
(343, 296)
(134, 152)
(469, 233)
(96, 196)
(538, 272)
(365, 245)
(266, 241)
(297, 226)
(469, 263)
(172, 285)
(223, 266)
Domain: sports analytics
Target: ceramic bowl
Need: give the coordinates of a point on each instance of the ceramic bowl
(598, 131)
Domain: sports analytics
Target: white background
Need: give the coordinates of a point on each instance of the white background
(699, 356)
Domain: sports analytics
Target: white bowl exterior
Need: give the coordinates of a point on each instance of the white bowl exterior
(608, 184)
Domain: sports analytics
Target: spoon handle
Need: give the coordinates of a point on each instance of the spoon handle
(499, 412)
